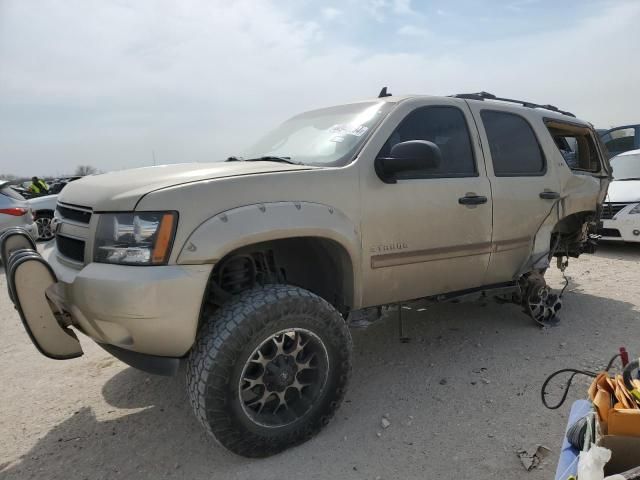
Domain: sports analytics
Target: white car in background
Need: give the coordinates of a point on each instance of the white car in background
(621, 209)
(43, 209)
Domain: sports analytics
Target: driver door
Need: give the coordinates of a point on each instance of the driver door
(422, 236)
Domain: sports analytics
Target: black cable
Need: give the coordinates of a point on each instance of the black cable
(613, 359)
(563, 266)
(627, 374)
(574, 372)
(543, 391)
(566, 284)
(552, 250)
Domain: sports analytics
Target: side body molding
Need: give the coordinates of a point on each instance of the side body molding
(250, 224)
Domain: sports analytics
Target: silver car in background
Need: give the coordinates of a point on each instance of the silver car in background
(15, 211)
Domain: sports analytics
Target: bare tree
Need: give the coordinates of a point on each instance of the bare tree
(83, 170)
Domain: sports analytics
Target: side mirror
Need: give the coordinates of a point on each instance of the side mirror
(407, 156)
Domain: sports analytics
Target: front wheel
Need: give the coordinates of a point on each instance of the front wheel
(45, 227)
(269, 369)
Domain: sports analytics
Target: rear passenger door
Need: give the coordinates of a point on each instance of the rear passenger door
(523, 184)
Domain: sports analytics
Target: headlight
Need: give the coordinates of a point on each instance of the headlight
(635, 209)
(142, 238)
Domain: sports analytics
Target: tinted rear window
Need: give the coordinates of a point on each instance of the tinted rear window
(514, 147)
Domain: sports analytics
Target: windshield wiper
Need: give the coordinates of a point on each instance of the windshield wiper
(272, 158)
(625, 179)
(266, 158)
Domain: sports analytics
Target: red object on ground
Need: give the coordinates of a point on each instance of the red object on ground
(624, 356)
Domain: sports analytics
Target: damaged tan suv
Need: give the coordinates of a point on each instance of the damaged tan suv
(248, 269)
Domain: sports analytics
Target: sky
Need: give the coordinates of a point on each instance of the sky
(115, 83)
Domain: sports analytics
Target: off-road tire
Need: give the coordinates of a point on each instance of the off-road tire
(224, 344)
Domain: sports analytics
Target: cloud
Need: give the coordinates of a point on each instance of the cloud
(377, 9)
(381, 10)
(520, 5)
(105, 84)
(330, 13)
(413, 31)
(402, 7)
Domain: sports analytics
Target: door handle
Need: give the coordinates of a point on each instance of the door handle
(472, 200)
(546, 195)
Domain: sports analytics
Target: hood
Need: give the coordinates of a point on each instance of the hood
(624, 191)
(121, 191)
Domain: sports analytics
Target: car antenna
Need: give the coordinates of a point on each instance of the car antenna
(383, 93)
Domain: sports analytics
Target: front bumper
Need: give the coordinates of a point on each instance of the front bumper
(622, 228)
(146, 310)
(28, 279)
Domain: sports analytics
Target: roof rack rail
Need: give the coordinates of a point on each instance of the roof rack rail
(490, 96)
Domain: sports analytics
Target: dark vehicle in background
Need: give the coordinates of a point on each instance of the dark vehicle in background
(55, 186)
(58, 184)
(621, 139)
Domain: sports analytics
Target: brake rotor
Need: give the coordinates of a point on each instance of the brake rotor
(542, 305)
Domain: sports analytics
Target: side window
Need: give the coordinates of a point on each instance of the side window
(576, 145)
(620, 140)
(447, 128)
(515, 150)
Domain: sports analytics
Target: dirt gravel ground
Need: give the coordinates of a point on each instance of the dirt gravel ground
(461, 398)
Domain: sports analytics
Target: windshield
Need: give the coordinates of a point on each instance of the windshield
(626, 167)
(327, 137)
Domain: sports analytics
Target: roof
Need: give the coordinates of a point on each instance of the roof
(545, 111)
(482, 97)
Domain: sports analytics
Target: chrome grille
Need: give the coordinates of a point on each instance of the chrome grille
(72, 231)
(75, 213)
